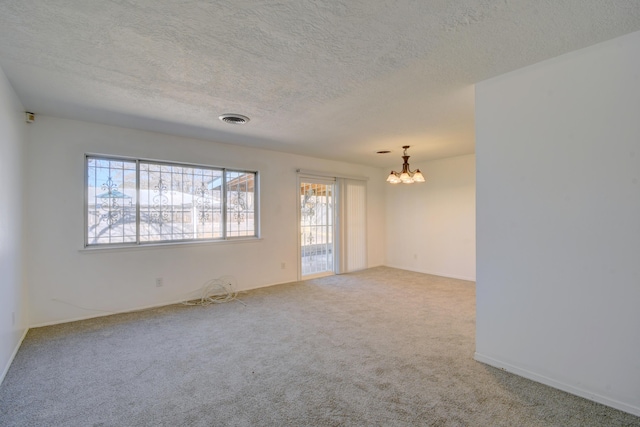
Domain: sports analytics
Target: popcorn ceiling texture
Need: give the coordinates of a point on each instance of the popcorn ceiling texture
(311, 75)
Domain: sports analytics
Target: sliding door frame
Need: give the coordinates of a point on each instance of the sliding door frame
(323, 180)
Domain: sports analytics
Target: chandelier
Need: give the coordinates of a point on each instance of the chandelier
(406, 176)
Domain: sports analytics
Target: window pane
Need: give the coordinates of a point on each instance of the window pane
(141, 202)
(316, 227)
(179, 203)
(111, 201)
(240, 204)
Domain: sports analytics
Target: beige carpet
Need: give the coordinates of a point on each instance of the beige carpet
(382, 347)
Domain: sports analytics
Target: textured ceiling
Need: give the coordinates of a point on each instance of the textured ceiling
(337, 79)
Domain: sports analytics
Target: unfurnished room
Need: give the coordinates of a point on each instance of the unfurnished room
(327, 213)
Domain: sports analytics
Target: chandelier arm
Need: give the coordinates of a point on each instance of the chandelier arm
(406, 175)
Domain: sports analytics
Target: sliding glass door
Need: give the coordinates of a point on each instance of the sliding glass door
(317, 227)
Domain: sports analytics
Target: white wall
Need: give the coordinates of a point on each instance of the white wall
(431, 226)
(13, 291)
(64, 278)
(558, 217)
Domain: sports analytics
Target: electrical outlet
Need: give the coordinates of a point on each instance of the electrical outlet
(159, 282)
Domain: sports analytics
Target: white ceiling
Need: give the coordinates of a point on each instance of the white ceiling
(337, 79)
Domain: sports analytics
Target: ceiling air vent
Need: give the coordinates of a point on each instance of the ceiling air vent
(234, 119)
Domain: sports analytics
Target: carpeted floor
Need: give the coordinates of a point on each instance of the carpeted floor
(382, 347)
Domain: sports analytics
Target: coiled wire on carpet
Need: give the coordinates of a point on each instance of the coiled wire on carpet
(216, 291)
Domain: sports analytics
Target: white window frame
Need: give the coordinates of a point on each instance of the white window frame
(138, 242)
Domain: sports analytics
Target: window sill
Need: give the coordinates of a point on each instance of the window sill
(165, 245)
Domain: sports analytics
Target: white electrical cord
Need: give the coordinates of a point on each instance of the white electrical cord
(216, 291)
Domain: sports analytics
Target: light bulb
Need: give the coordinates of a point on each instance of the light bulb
(418, 177)
(406, 178)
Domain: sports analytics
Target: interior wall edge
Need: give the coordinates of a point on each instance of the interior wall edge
(13, 355)
(433, 273)
(577, 391)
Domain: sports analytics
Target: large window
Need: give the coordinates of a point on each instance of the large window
(134, 202)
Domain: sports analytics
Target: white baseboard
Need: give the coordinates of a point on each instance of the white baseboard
(102, 313)
(13, 355)
(130, 310)
(433, 273)
(634, 410)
